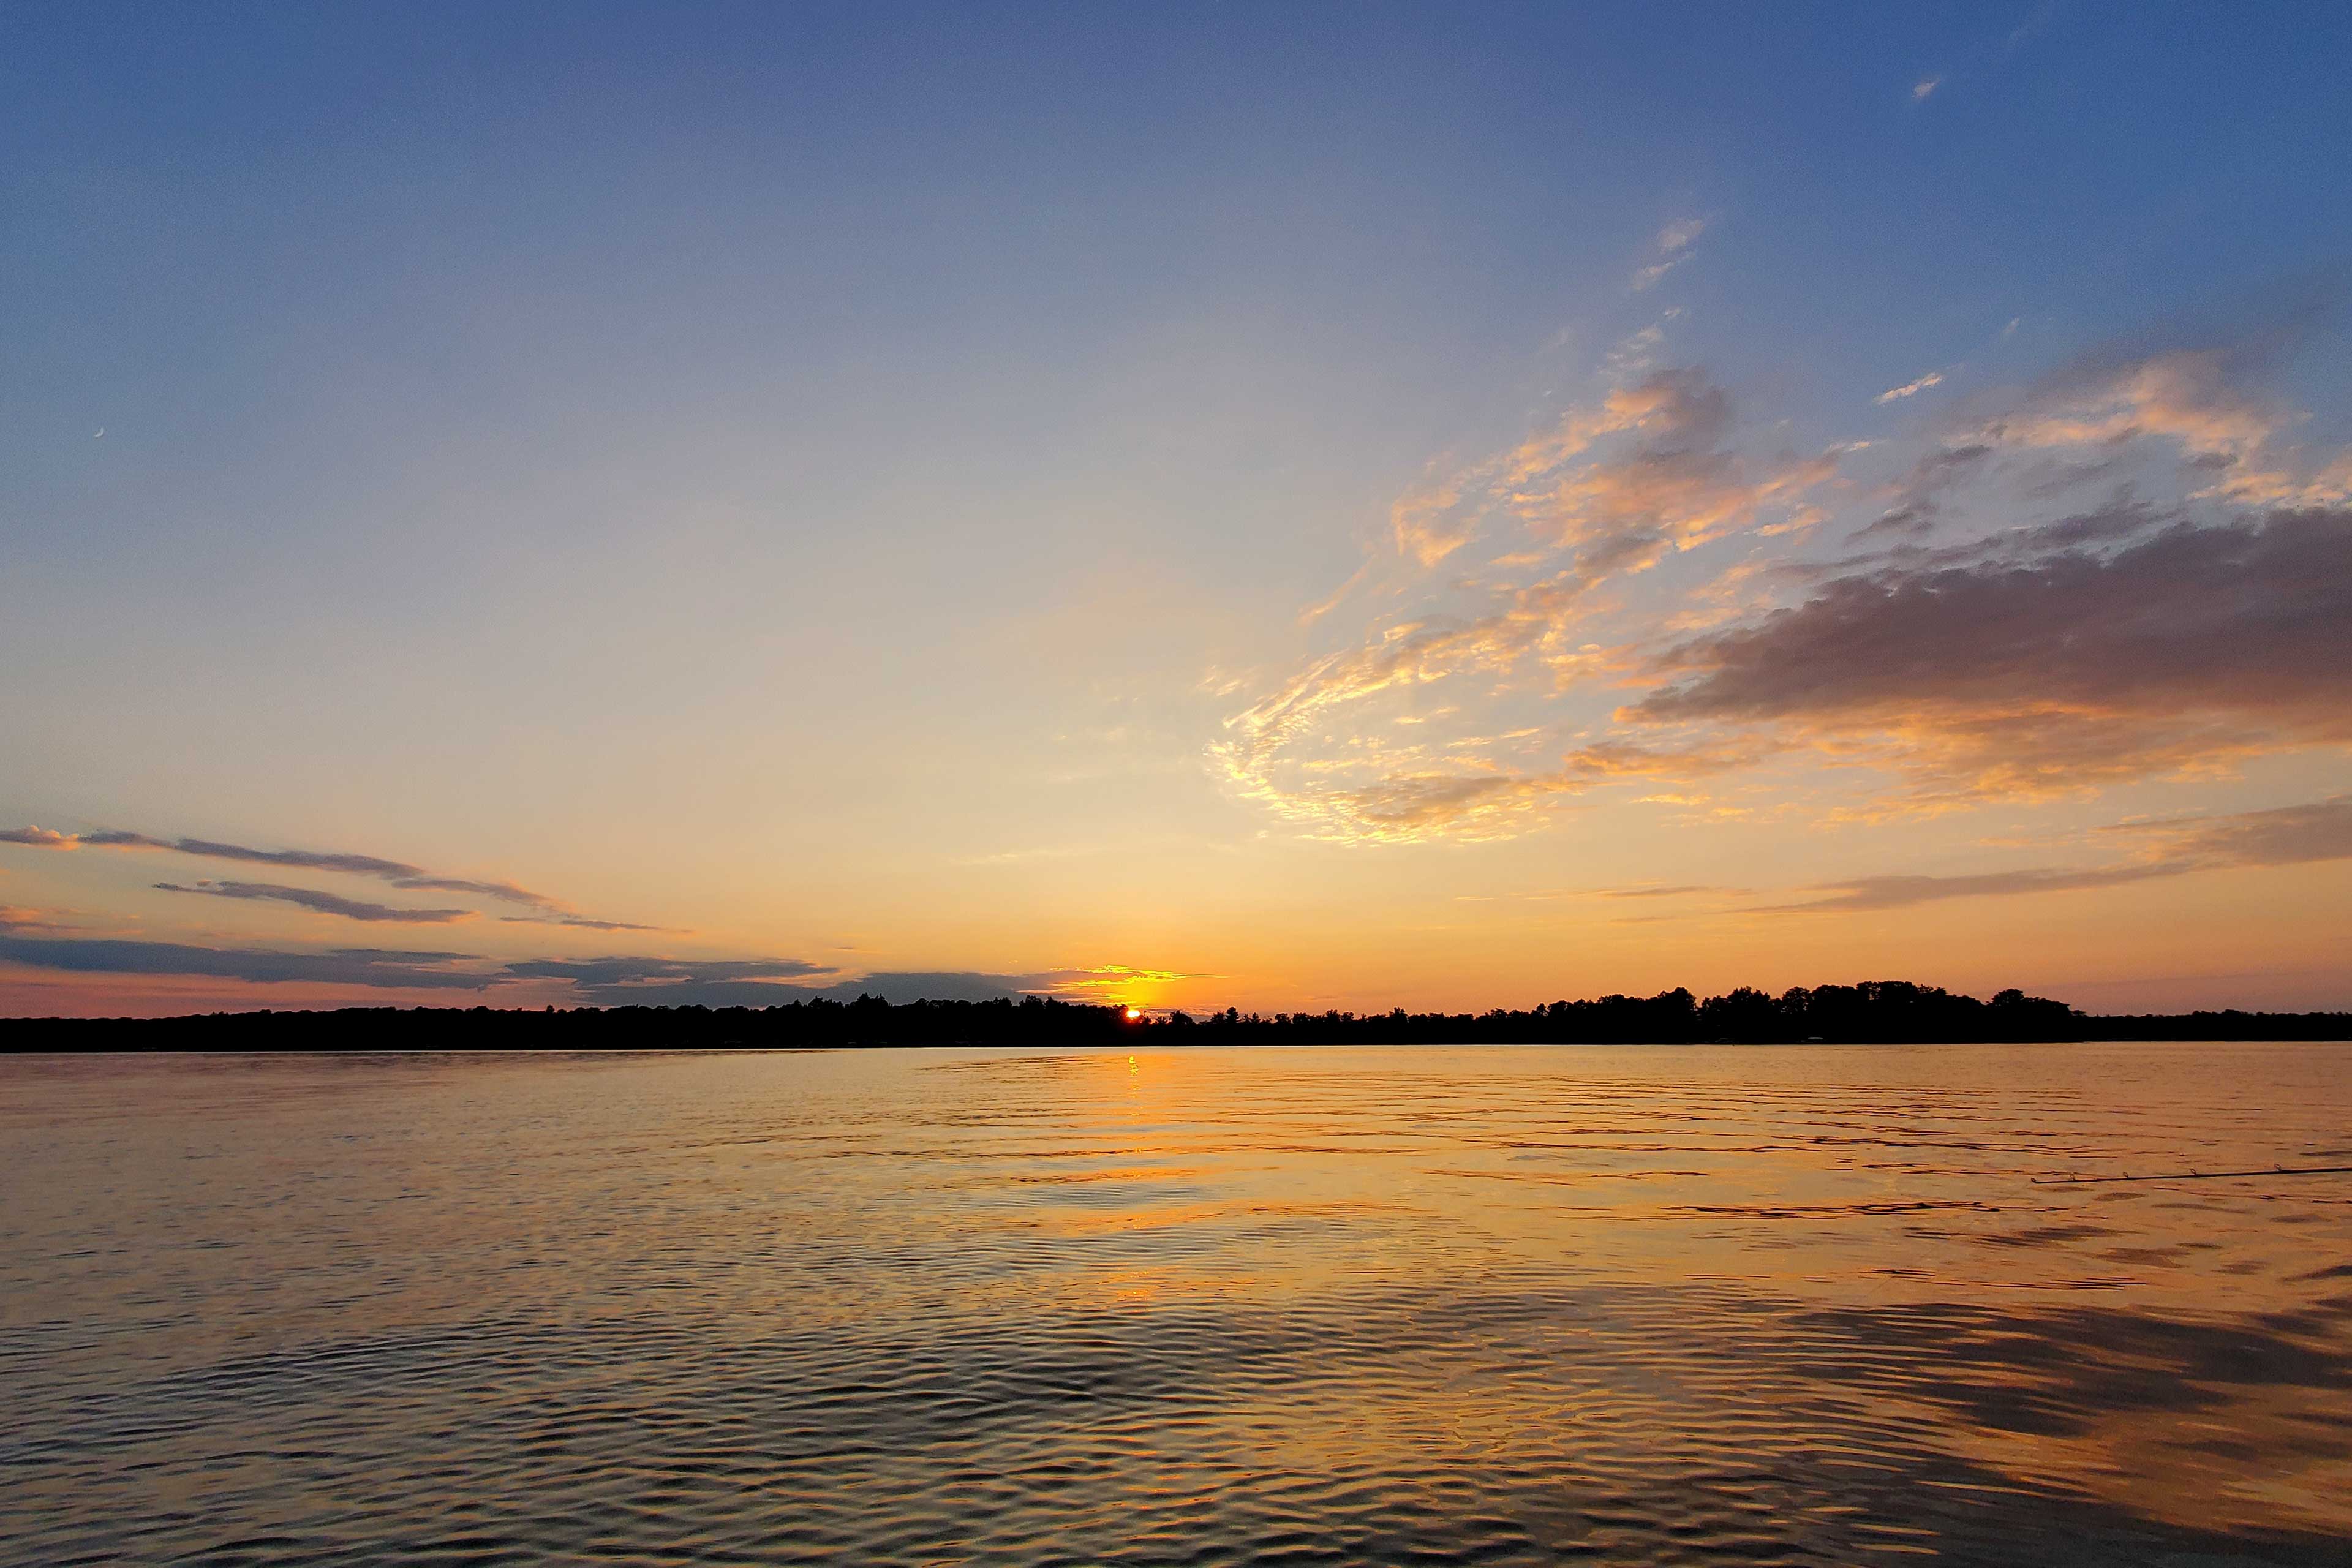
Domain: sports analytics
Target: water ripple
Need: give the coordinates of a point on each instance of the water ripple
(1220, 1308)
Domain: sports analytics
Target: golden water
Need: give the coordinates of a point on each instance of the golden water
(1271, 1306)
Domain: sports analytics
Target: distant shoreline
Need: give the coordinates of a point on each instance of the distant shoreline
(1874, 1013)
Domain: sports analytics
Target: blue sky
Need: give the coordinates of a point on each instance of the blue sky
(826, 481)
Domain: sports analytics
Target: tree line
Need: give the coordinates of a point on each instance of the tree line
(1876, 1012)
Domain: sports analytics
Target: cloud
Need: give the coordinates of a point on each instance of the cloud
(1428, 523)
(1408, 807)
(609, 981)
(1918, 495)
(1867, 893)
(1606, 490)
(1605, 761)
(2031, 677)
(2227, 443)
(1986, 54)
(2198, 398)
(1097, 984)
(623, 971)
(2190, 396)
(1316, 612)
(1675, 480)
(398, 873)
(1674, 245)
(353, 966)
(578, 922)
(768, 983)
(1677, 484)
(1099, 977)
(2285, 835)
(506, 892)
(321, 903)
(640, 981)
(1995, 638)
(1409, 654)
(1673, 483)
(1911, 388)
(1678, 236)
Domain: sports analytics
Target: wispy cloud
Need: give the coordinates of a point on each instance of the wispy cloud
(1984, 54)
(2189, 621)
(2237, 441)
(2287, 836)
(1679, 482)
(1608, 490)
(2284, 836)
(578, 922)
(1896, 892)
(1910, 388)
(1674, 247)
(1683, 890)
(1316, 612)
(319, 902)
(398, 873)
(637, 970)
(373, 967)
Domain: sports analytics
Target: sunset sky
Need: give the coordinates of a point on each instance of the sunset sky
(1283, 506)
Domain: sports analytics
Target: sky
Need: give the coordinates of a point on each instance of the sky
(1292, 508)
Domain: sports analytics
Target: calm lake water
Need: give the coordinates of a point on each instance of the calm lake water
(1650, 1305)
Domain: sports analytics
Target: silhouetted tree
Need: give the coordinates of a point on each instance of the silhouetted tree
(1889, 1011)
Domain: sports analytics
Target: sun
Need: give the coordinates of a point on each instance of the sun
(1133, 1014)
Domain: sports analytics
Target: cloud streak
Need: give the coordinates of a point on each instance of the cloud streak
(2287, 836)
(349, 966)
(398, 873)
(547, 911)
(1910, 388)
(319, 902)
(615, 971)
(578, 922)
(1673, 246)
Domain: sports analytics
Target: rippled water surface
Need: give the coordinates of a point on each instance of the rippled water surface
(1273, 1306)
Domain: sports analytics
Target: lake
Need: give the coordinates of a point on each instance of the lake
(1640, 1305)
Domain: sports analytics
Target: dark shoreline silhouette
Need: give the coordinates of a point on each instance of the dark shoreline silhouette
(1876, 1012)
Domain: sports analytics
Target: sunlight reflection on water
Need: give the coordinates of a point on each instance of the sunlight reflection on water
(1639, 1305)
